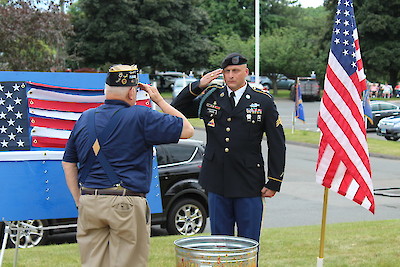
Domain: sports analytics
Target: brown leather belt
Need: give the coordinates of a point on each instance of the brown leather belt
(111, 192)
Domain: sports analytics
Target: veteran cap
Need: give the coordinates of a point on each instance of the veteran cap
(122, 75)
(233, 59)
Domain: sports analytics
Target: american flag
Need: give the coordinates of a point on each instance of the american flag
(343, 161)
(36, 116)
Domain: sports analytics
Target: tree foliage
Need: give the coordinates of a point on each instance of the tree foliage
(162, 34)
(379, 29)
(237, 17)
(32, 38)
(294, 50)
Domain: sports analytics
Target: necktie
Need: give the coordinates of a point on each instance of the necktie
(232, 99)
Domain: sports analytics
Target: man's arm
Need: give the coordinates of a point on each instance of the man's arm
(71, 177)
(187, 130)
(188, 101)
(276, 148)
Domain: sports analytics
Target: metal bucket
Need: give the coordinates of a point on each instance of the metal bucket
(216, 251)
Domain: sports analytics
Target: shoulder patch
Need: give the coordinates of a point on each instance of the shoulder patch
(257, 90)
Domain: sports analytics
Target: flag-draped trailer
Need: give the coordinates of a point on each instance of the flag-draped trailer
(38, 110)
(343, 159)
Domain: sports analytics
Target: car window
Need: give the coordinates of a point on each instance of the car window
(180, 83)
(179, 152)
(162, 158)
(387, 106)
(375, 107)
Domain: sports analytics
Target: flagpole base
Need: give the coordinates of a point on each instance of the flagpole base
(320, 262)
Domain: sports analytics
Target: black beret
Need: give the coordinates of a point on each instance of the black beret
(122, 75)
(233, 59)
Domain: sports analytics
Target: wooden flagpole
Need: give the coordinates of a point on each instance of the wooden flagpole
(320, 259)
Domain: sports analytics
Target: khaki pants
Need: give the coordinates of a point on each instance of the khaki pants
(113, 231)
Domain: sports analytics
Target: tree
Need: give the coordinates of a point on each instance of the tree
(161, 34)
(237, 17)
(379, 27)
(288, 51)
(32, 38)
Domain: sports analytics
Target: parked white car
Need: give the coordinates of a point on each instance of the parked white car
(179, 84)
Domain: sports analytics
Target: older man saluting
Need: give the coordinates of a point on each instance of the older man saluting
(113, 146)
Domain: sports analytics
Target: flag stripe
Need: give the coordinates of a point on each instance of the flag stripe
(52, 123)
(48, 132)
(54, 87)
(55, 114)
(48, 142)
(61, 106)
(66, 97)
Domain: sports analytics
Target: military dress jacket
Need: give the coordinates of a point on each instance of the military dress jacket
(233, 164)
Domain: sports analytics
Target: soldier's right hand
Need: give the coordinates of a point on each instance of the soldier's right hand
(209, 77)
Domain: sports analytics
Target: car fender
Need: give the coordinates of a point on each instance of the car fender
(184, 188)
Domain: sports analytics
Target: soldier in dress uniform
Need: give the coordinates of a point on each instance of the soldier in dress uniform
(236, 116)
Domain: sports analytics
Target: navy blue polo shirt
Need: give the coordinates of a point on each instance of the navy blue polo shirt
(129, 149)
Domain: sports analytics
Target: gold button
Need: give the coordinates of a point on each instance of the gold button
(226, 149)
(227, 139)
(229, 119)
(228, 129)
(253, 122)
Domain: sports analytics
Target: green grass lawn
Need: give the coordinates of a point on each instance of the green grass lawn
(364, 244)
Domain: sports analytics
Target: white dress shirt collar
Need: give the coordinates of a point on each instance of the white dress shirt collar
(238, 93)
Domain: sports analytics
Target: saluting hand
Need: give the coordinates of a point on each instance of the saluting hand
(207, 78)
(265, 192)
(153, 92)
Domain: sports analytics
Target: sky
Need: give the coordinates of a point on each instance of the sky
(311, 3)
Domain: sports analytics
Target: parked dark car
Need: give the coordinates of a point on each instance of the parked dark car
(389, 128)
(380, 110)
(184, 202)
(310, 89)
(282, 82)
(165, 80)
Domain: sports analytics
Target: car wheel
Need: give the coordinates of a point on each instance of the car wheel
(31, 235)
(186, 217)
(391, 138)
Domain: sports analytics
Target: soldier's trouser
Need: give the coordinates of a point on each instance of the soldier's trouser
(113, 231)
(245, 212)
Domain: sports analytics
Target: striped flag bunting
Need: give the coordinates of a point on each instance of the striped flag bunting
(36, 116)
(343, 159)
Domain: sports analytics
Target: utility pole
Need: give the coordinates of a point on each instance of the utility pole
(257, 42)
